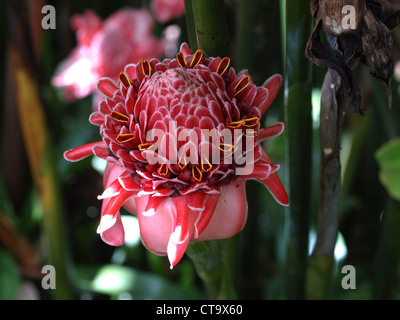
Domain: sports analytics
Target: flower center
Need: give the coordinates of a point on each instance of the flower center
(177, 84)
(186, 124)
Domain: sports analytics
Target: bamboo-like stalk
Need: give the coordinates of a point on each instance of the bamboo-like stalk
(298, 132)
(190, 27)
(211, 27)
(258, 44)
(258, 50)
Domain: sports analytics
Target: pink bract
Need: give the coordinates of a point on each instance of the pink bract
(166, 10)
(180, 137)
(104, 48)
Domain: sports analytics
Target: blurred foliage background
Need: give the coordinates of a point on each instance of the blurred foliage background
(49, 210)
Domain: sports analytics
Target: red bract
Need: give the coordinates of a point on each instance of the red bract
(104, 48)
(181, 136)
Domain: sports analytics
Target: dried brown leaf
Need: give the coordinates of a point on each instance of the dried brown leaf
(331, 14)
(377, 47)
(370, 39)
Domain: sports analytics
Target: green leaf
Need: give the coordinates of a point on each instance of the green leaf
(388, 158)
(9, 277)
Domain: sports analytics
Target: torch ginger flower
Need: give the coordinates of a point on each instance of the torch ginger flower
(181, 136)
(105, 48)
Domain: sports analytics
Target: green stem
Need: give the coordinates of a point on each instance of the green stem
(211, 27)
(258, 50)
(212, 260)
(299, 144)
(190, 27)
(258, 44)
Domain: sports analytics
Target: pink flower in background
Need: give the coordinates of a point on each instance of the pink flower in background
(180, 137)
(166, 10)
(104, 48)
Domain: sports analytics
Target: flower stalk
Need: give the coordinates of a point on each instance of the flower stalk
(211, 27)
(190, 27)
(211, 258)
(213, 262)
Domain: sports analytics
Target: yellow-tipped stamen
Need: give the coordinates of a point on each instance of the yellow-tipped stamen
(124, 80)
(235, 125)
(223, 66)
(125, 137)
(247, 122)
(145, 146)
(163, 170)
(241, 85)
(197, 174)
(206, 166)
(180, 162)
(146, 67)
(251, 133)
(196, 59)
(120, 117)
(180, 57)
(244, 122)
(230, 147)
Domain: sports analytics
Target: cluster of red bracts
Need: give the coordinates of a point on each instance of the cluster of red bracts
(182, 186)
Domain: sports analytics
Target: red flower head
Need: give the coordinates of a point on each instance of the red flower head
(181, 136)
(105, 48)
